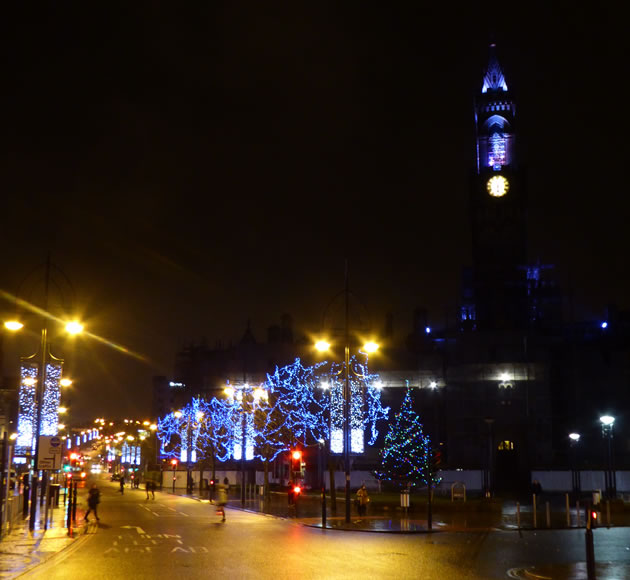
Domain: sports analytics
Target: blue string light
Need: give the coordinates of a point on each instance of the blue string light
(292, 406)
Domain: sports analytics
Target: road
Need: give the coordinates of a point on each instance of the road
(175, 537)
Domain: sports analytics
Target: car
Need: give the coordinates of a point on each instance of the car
(115, 477)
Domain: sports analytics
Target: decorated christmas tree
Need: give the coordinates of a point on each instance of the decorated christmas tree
(407, 458)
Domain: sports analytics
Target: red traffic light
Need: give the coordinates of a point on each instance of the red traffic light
(173, 462)
(297, 455)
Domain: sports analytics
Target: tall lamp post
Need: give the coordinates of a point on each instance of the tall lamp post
(40, 384)
(607, 422)
(575, 472)
(369, 347)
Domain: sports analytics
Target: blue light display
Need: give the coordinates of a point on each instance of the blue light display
(290, 407)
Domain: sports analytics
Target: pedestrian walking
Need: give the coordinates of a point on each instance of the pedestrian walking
(362, 500)
(94, 498)
(222, 496)
(536, 488)
(122, 485)
(150, 488)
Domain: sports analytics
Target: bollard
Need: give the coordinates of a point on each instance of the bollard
(548, 512)
(323, 507)
(567, 509)
(534, 510)
(518, 515)
(608, 513)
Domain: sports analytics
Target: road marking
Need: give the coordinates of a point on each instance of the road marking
(138, 529)
(183, 514)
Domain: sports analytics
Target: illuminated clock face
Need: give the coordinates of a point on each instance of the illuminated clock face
(498, 186)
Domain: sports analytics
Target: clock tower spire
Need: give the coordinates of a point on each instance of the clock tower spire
(497, 208)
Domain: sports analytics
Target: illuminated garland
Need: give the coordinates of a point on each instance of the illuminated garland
(406, 455)
(27, 410)
(290, 407)
(51, 400)
(180, 432)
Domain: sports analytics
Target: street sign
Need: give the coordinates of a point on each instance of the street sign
(49, 456)
(55, 445)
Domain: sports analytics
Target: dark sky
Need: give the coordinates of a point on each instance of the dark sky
(190, 167)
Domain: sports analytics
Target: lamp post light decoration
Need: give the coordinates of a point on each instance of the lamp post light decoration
(608, 422)
(39, 401)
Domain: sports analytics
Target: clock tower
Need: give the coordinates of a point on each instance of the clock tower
(497, 210)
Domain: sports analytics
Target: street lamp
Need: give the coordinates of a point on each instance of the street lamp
(575, 472)
(39, 390)
(607, 422)
(369, 347)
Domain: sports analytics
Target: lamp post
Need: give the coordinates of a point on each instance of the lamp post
(575, 472)
(369, 347)
(39, 383)
(488, 483)
(607, 422)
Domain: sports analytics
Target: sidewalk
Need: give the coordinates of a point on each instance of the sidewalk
(22, 549)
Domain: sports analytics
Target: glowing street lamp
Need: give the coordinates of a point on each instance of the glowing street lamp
(74, 327)
(323, 345)
(35, 378)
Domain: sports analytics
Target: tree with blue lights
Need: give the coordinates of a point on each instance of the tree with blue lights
(406, 458)
(290, 407)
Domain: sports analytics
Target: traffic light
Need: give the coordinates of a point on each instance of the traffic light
(174, 463)
(296, 461)
(593, 519)
(297, 490)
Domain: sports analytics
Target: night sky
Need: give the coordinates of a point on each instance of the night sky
(190, 167)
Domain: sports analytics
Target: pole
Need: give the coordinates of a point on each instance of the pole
(39, 389)
(590, 550)
(189, 477)
(611, 475)
(430, 508)
(74, 502)
(6, 472)
(69, 513)
(322, 480)
(346, 406)
(243, 426)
